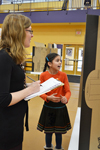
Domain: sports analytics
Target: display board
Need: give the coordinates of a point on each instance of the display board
(89, 138)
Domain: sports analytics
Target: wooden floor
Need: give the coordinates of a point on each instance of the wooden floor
(34, 139)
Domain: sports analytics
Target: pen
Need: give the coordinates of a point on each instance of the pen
(32, 80)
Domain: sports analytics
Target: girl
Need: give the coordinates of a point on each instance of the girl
(54, 117)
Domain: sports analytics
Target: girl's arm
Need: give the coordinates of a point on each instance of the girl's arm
(67, 88)
(65, 98)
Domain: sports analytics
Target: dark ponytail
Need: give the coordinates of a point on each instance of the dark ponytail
(49, 58)
(45, 66)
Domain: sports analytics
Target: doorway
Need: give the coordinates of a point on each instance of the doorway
(72, 59)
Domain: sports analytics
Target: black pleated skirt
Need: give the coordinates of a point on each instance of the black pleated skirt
(54, 120)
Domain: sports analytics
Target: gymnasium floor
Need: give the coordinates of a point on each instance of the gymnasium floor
(34, 139)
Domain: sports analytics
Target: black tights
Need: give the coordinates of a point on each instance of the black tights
(58, 140)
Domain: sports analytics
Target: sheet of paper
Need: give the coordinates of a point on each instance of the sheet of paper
(47, 86)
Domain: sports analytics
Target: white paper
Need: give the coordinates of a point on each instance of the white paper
(47, 86)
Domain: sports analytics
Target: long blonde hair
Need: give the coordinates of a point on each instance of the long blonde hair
(13, 36)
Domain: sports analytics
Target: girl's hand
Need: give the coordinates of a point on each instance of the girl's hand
(53, 98)
(63, 99)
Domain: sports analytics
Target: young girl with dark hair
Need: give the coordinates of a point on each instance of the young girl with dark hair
(54, 117)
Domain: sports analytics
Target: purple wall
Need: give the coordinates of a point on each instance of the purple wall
(57, 16)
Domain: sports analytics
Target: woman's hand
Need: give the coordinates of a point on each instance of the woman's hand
(28, 84)
(63, 99)
(34, 87)
(53, 98)
(20, 95)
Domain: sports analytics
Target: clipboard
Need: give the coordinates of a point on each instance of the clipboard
(46, 87)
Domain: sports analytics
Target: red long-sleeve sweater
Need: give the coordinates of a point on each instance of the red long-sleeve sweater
(63, 90)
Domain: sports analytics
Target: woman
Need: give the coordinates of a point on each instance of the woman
(15, 37)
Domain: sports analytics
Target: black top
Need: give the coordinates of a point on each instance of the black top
(11, 118)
